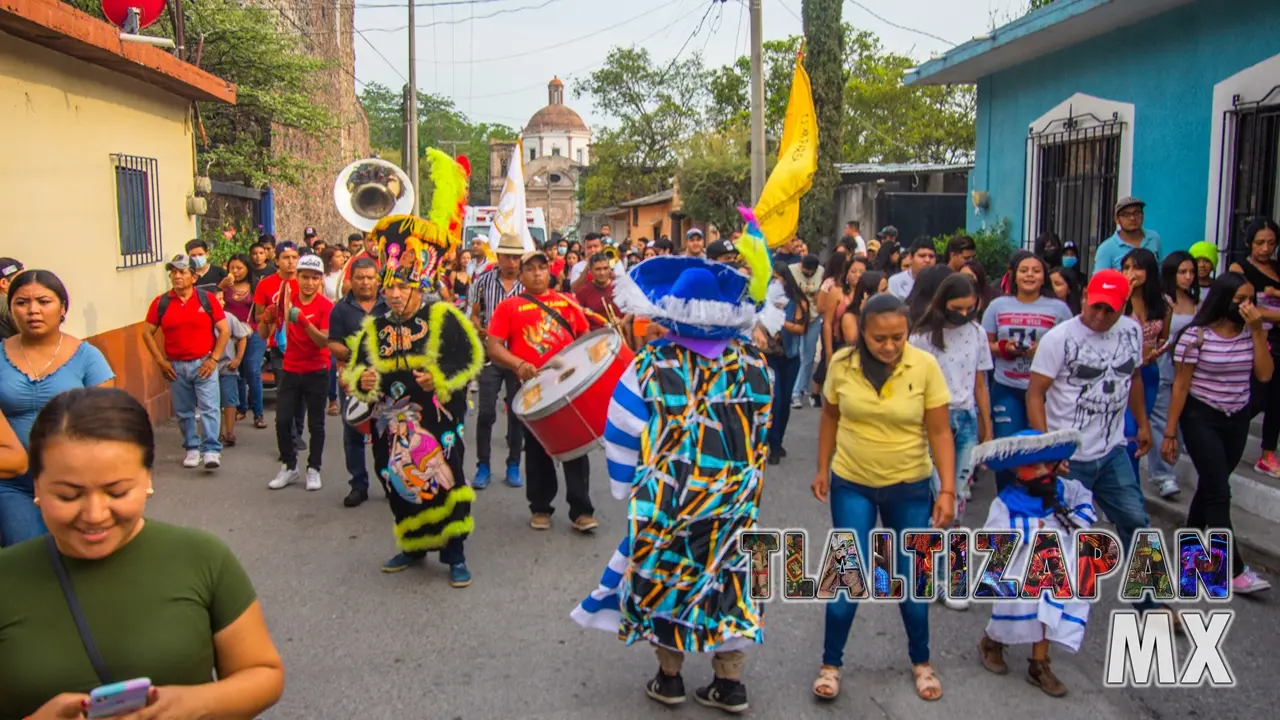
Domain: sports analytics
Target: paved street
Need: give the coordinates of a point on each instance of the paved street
(361, 644)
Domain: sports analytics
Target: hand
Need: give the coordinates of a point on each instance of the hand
(66, 705)
(1272, 291)
(1169, 450)
(1144, 440)
(944, 510)
(1031, 350)
(206, 368)
(234, 365)
(171, 702)
(227, 283)
(368, 380)
(555, 363)
(759, 338)
(166, 369)
(821, 486)
(425, 381)
(269, 315)
(986, 432)
(526, 372)
(295, 315)
(1252, 316)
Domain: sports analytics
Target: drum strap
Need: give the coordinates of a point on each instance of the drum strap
(554, 315)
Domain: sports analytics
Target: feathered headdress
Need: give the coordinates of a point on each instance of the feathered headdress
(755, 253)
(411, 249)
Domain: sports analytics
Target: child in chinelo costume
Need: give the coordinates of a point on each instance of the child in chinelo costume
(1039, 500)
(686, 443)
(420, 355)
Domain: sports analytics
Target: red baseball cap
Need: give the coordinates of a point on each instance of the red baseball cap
(1110, 288)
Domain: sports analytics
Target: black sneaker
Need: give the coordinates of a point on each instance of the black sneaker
(774, 459)
(666, 689)
(727, 695)
(355, 497)
(782, 452)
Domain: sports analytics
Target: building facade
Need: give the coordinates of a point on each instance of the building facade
(1085, 101)
(99, 164)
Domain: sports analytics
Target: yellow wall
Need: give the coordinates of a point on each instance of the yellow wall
(60, 121)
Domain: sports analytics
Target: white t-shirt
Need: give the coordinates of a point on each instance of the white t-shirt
(577, 271)
(900, 284)
(1091, 375)
(1018, 322)
(967, 354)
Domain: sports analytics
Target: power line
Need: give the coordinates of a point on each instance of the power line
(471, 19)
(698, 28)
(391, 65)
(737, 34)
(890, 23)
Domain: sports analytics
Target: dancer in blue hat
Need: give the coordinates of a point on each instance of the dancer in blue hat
(1039, 499)
(686, 444)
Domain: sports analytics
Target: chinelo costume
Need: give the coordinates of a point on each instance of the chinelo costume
(418, 446)
(686, 442)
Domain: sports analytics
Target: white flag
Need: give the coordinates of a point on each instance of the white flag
(512, 216)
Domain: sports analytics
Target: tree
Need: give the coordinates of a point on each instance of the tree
(1037, 4)
(824, 55)
(729, 87)
(715, 176)
(385, 111)
(615, 175)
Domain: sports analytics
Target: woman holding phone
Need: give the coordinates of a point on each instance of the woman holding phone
(157, 601)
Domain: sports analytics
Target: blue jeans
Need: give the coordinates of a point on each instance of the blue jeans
(854, 508)
(1150, 390)
(1008, 418)
(964, 431)
(19, 517)
(785, 370)
(1117, 493)
(194, 396)
(808, 350)
(1157, 469)
(251, 375)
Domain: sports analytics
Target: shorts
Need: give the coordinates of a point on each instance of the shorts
(229, 390)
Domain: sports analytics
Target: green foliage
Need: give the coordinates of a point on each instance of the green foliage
(995, 247)
(231, 239)
(729, 104)
(715, 176)
(615, 175)
(1037, 4)
(824, 52)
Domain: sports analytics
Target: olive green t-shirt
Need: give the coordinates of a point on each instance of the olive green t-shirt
(152, 607)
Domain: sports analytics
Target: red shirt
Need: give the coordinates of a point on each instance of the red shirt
(531, 334)
(594, 298)
(188, 329)
(300, 352)
(268, 295)
(557, 267)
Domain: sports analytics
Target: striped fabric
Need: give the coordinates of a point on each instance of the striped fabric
(1223, 367)
(487, 292)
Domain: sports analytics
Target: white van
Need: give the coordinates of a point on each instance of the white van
(477, 220)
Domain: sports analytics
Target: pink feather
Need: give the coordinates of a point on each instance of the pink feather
(748, 214)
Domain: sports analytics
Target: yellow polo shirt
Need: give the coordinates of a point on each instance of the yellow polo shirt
(881, 437)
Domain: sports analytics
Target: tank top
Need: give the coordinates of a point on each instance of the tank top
(1260, 282)
(238, 305)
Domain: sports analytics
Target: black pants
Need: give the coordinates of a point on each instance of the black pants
(454, 551)
(493, 379)
(1266, 399)
(277, 368)
(295, 391)
(541, 483)
(1215, 441)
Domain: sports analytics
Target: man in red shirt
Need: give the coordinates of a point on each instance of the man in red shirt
(524, 333)
(597, 295)
(268, 295)
(304, 377)
(195, 334)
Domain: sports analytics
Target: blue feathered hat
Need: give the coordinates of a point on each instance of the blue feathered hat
(692, 297)
(1028, 447)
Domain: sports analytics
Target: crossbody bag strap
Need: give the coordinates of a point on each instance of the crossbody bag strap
(554, 315)
(73, 604)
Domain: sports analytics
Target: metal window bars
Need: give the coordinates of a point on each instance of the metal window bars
(1247, 177)
(137, 210)
(1073, 181)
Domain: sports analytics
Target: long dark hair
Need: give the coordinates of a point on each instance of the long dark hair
(922, 292)
(1075, 286)
(1169, 276)
(104, 414)
(883, 261)
(837, 264)
(844, 279)
(868, 285)
(792, 289)
(1021, 256)
(1152, 295)
(1216, 307)
(1256, 226)
(1042, 250)
(43, 278)
(955, 286)
(984, 288)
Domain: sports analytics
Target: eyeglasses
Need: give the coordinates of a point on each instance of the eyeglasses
(1132, 214)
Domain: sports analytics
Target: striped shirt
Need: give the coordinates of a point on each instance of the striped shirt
(1223, 367)
(487, 293)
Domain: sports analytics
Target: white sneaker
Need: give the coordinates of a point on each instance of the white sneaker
(313, 479)
(192, 460)
(1248, 582)
(956, 604)
(212, 460)
(1169, 488)
(284, 478)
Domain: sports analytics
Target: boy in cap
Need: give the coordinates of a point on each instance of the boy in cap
(1130, 235)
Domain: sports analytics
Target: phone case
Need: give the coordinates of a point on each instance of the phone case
(119, 698)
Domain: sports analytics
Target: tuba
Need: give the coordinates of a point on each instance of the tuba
(368, 190)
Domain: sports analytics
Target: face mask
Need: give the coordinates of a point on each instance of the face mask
(1233, 314)
(959, 318)
(1070, 262)
(199, 261)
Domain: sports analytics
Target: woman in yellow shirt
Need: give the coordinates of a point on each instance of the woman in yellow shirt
(883, 399)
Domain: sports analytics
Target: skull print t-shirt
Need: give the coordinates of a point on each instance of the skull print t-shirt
(1091, 375)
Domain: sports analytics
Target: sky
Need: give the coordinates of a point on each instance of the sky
(496, 68)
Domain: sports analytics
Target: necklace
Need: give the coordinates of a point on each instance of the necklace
(40, 375)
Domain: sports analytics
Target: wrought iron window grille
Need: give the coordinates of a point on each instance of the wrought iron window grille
(1249, 173)
(138, 210)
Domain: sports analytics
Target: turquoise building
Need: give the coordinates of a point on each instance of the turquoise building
(1084, 102)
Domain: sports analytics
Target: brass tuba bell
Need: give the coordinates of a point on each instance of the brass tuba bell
(368, 190)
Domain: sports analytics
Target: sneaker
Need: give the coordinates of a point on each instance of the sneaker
(192, 460)
(313, 479)
(1267, 465)
(401, 562)
(284, 478)
(540, 521)
(355, 497)
(459, 575)
(585, 524)
(774, 458)
(782, 452)
(727, 695)
(481, 480)
(212, 460)
(796, 403)
(1169, 488)
(817, 401)
(1248, 582)
(513, 478)
(957, 604)
(666, 689)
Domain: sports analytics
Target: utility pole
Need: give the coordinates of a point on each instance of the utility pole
(411, 152)
(757, 103)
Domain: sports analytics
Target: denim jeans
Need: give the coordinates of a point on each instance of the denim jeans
(333, 383)
(784, 378)
(1008, 418)
(808, 351)
(1157, 469)
(20, 519)
(1215, 442)
(1150, 390)
(854, 508)
(353, 447)
(251, 375)
(964, 431)
(196, 397)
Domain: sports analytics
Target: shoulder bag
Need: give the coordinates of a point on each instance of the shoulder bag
(73, 604)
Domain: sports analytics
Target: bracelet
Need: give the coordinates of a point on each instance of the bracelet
(946, 492)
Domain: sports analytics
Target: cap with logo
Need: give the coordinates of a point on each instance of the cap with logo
(10, 267)
(311, 263)
(309, 232)
(889, 231)
(1128, 202)
(692, 232)
(720, 248)
(179, 262)
(810, 262)
(1108, 287)
(480, 238)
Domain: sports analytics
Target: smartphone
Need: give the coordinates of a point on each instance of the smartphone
(119, 698)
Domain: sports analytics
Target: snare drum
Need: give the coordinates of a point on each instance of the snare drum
(566, 408)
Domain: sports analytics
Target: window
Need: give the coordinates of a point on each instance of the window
(555, 151)
(505, 166)
(138, 210)
(578, 152)
(533, 154)
(1251, 160)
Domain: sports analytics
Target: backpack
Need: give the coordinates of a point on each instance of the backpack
(202, 296)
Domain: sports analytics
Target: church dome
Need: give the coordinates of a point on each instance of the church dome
(556, 116)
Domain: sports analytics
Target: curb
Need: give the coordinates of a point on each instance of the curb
(1260, 556)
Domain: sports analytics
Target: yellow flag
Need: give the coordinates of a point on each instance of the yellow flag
(778, 211)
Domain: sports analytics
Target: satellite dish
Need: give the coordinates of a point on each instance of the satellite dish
(117, 12)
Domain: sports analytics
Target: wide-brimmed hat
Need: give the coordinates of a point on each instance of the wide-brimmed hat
(692, 297)
(510, 244)
(1028, 447)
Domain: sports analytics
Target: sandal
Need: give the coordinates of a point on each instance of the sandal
(927, 685)
(259, 422)
(229, 440)
(827, 686)
(240, 415)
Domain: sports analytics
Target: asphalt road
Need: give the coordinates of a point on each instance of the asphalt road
(358, 643)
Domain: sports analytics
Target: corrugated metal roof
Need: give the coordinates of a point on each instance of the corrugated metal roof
(654, 199)
(899, 168)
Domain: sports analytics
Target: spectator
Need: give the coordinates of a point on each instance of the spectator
(355, 244)
(272, 292)
(1263, 273)
(195, 335)
(808, 276)
(238, 294)
(1049, 249)
(591, 245)
(961, 249)
(309, 236)
(229, 374)
(205, 275)
(260, 265)
(853, 231)
(695, 244)
(1130, 234)
(789, 253)
(784, 357)
(597, 295)
(922, 256)
(8, 269)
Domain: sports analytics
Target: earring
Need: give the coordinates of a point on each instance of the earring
(35, 500)
(151, 491)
